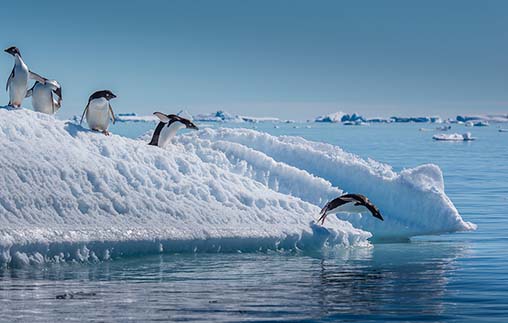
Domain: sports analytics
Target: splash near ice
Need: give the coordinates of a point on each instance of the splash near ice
(72, 194)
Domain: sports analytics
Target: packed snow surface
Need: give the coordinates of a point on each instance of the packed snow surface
(72, 194)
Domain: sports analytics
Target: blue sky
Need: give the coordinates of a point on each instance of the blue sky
(292, 59)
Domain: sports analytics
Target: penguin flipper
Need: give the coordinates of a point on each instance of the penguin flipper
(9, 80)
(112, 114)
(37, 77)
(83, 115)
(55, 104)
(30, 91)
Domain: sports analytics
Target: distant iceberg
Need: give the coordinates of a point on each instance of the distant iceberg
(379, 120)
(218, 116)
(431, 119)
(485, 118)
(72, 194)
(332, 117)
(454, 137)
(133, 117)
(222, 116)
(340, 117)
(481, 124)
(260, 119)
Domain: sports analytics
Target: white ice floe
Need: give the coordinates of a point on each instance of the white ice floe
(454, 137)
(71, 194)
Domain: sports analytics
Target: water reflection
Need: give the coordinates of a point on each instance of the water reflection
(407, 280)
(410, 281)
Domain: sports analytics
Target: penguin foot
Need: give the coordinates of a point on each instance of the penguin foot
(106, 133)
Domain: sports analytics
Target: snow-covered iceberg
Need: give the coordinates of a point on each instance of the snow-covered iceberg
(453, 137)
(71, 194)
(413, 201)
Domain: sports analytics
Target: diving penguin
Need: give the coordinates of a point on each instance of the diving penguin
(342, 205)
(98, 111)
(42, 96)
(17, 83)
(168, 126)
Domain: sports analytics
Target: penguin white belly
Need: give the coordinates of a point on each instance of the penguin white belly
(169, 132)
(97, 115)
(349, 208)
(42, 99)
(18, 85)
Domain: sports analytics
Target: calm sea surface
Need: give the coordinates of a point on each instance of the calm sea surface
(460, 277)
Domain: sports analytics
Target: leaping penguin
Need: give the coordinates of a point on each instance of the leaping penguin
(342, 205)
(42, 96)
(98, 111)
(168, 126)
(17, 83)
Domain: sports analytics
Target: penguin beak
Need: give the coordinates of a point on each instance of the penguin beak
(7, 51)
(193, 126)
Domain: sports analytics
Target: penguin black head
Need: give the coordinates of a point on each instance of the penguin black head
(107, 94)
(13, 51)
(168, 118)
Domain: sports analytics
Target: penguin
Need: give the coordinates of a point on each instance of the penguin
(98, 111)
(341, 205)
(42, 96)
(168, 126)
(17, 83)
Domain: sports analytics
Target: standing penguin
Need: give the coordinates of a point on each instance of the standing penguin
(17, 83)
(168, 126)
(98, 111)
(42, 96)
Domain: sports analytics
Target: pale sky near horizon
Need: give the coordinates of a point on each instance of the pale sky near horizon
(290, 59)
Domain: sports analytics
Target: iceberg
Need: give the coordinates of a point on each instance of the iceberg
(218, 116)
(412, 201)
(259, 119)
(341, 117)
(332, 117)
(500, 118)
(431, 119)
(481, 124)
(70, 194)
(454, 137)
(133, 117)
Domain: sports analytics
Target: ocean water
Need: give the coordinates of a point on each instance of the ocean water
(461, 277)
